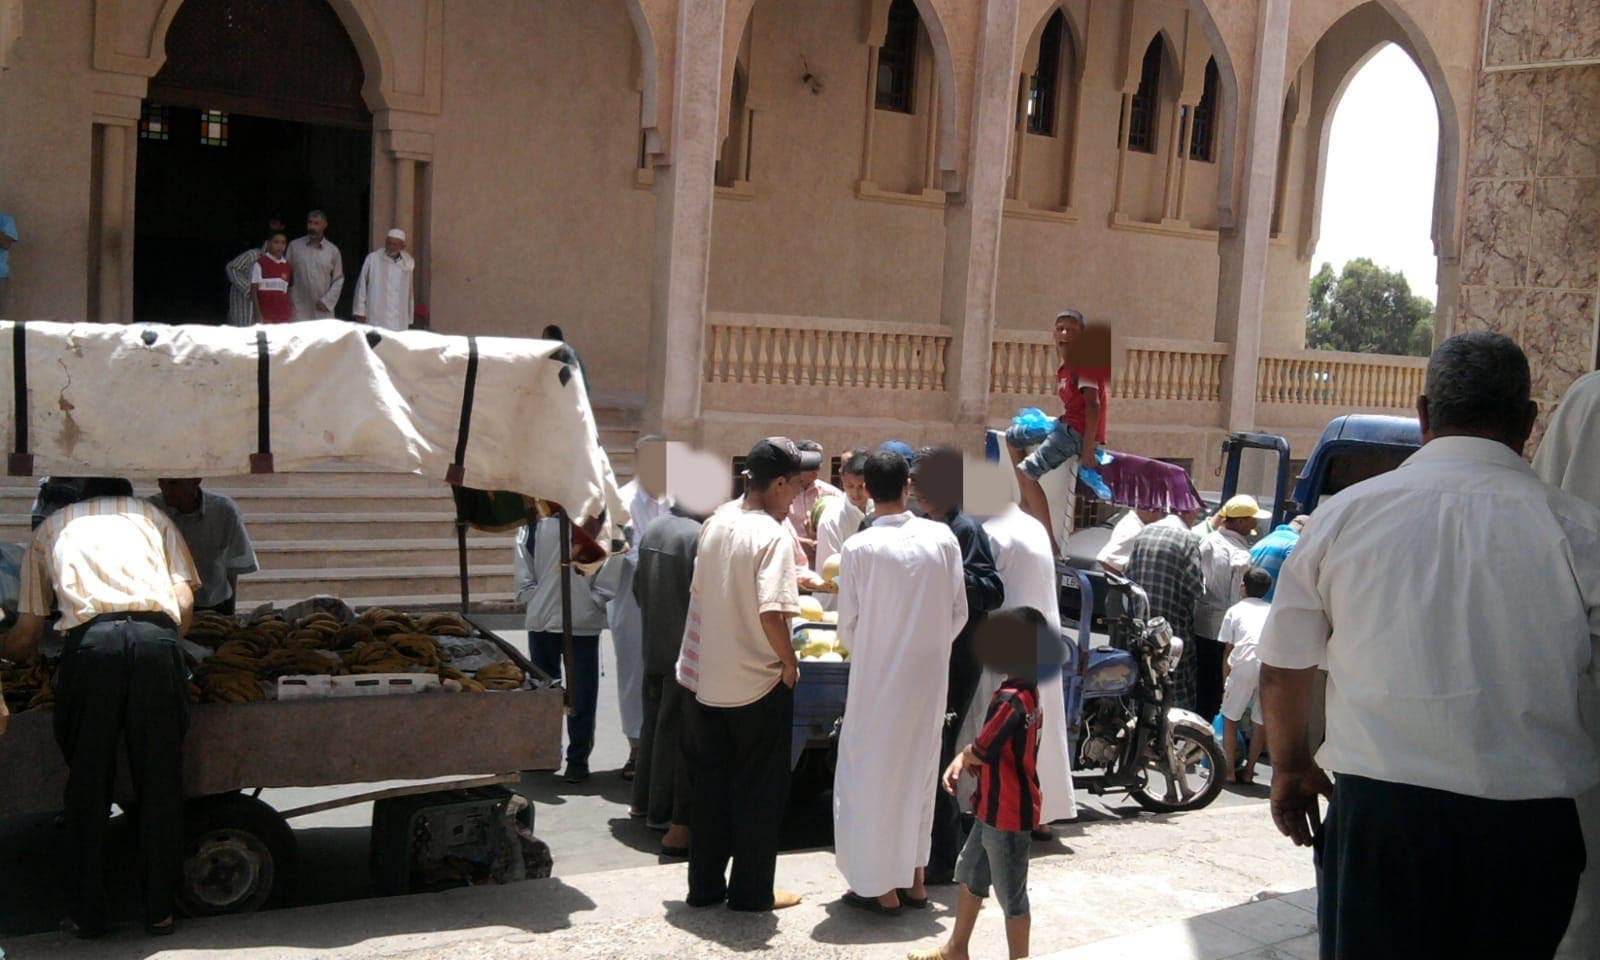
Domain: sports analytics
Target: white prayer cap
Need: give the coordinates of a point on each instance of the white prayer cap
(397, 234)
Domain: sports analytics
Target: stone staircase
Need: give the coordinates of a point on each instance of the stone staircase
(371, 538)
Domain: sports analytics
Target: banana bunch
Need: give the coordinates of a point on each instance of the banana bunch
(351, 636)
(419, 648)
(444, 625)
(211, 629)
(319, 631)
(235, 656)
(375, 656)
(501, 675)
(27, 683)
(228, 686)
(464, 683)
(384, 622)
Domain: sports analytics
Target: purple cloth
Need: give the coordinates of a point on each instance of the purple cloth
(1149, 484)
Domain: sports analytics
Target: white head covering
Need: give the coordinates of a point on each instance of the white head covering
(1569, 454)
(396, 234)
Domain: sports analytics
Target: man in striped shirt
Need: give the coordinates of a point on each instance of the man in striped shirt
(123, 579)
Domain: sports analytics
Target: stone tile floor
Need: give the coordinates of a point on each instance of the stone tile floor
(1275, 928)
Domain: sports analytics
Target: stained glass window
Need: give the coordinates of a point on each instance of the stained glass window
(153, 123)
(213, 128)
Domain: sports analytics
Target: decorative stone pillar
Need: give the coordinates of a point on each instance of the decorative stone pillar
(973, 219)
(117, 103)
(1242, 280)
(685, 190)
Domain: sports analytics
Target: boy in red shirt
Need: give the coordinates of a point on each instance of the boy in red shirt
(269, 282)
(1004, 759)
(1083, 391)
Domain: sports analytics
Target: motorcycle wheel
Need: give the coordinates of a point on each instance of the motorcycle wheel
(1197, 781)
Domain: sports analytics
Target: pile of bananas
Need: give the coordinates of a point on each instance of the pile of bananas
(467, 684)
(397, 653)
(27, 683)
(502, 675)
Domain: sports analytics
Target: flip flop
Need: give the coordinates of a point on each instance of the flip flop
(869, 904)
(915, 903)
(675, 853)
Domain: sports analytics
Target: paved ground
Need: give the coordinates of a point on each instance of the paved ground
(1099, 880)
(1115, 870)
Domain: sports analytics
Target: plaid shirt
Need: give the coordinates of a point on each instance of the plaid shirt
(1166, 562)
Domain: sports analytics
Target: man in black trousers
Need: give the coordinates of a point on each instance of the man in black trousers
(936, 480)
(123, 578)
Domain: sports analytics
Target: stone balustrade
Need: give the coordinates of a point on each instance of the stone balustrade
(1344, 380)
(1024, 365)
(823, 352)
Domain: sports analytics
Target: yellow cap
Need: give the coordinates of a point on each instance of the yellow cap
(1241, 506)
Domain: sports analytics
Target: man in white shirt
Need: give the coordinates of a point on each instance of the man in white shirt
(840, 517)
(538, 580)
(902, 602)
(1569, 458)
(740, 662)
(1224, 557)
(1455, 603)
(1114, 555)
(318, 271)
(383, 290)
(812, 489)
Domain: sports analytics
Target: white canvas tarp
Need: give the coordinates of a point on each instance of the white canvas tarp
(146, 401)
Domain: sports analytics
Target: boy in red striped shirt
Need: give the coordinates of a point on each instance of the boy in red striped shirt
(1004, 759)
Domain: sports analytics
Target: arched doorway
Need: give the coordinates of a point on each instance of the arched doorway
(257, 112)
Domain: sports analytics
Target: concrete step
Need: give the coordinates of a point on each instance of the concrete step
(354, 526)
(416, 581)
(321, 554)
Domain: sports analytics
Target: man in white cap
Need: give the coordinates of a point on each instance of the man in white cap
(1224, 557)
(383, 291)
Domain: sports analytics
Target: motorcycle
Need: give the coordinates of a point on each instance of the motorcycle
(1119, 715)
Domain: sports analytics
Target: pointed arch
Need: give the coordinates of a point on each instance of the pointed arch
(360, 21)
(649, 78)
(1227, 116)
(1384, 22)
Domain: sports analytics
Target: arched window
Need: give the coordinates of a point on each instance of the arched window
(1203, 127)
(897, 60)
(1142, 121)
(1043, 86)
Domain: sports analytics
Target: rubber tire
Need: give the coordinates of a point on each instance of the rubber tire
(1219, 765)
(268, 836)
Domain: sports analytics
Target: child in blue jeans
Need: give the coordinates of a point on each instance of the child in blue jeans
(1004, 759)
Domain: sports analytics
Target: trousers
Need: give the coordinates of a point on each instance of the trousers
(662, 785)
(741, 786)
(544, 649)
(122, 682)
(948, 837)
(1208, 660)
(1411, 872)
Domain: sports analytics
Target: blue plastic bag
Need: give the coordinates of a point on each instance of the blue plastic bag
(1090, 477)
(1034, 424)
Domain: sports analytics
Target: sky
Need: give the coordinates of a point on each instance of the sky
(1378, 196)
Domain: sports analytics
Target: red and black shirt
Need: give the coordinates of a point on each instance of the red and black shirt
(1007, 797)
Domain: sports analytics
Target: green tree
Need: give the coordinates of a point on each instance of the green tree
(1367, 309)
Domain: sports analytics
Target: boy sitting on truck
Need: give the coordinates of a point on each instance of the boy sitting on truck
(1004, 758)
(1241, 630)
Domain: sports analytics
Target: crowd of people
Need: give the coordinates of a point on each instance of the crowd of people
(301, 279)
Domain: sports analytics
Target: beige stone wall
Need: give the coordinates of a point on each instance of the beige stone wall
(46, 106)
(1531, 264)
(536, 216)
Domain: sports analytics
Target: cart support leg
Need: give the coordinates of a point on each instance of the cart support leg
(566, 606)
(461, 550)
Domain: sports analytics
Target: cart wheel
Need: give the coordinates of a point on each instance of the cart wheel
(239, 855)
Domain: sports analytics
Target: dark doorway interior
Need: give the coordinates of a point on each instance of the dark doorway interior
(198, 206)
(285, 79)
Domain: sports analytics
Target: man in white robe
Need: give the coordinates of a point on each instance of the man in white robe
(1027, 569)
(384, 296)
(1569, 458)
(840, 517)
(902, 602)
(623, 616)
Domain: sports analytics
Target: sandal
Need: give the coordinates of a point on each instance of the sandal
(915, 903)
(869, 904)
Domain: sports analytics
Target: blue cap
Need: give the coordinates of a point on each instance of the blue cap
(900, 447)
